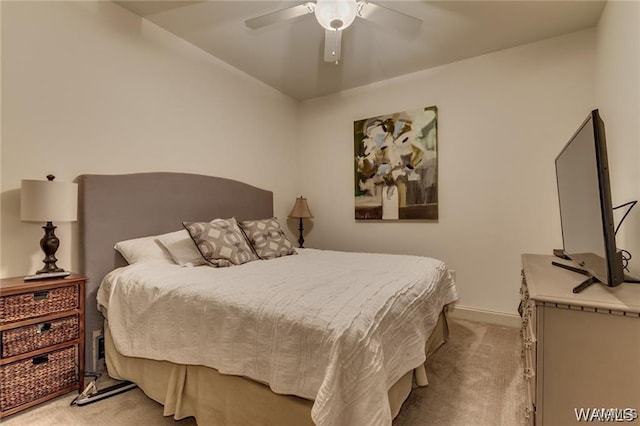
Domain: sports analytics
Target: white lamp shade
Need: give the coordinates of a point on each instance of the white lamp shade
(336, 15)
(48, 201)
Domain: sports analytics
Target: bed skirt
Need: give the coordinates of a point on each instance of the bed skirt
(218, 399)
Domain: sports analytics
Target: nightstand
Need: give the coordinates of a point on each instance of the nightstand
(42, 340)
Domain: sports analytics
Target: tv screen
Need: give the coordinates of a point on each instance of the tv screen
(586, 211)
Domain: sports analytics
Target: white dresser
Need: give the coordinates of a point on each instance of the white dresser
(581, 351)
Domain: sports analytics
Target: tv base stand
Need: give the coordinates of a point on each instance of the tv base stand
(584, 284)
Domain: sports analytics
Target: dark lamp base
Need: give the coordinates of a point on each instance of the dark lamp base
(301, 239)
(49, 245)
(48, 268)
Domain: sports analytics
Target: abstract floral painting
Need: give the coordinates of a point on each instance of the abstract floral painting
(396, 166)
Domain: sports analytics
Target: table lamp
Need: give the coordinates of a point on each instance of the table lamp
(49, 201)
(301, 211)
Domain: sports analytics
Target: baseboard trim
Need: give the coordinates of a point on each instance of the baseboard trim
(481, 315)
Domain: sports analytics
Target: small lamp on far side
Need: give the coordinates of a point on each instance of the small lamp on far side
(301, 211)
(48, 201)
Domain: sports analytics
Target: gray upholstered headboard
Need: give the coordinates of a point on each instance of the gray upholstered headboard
(114, 208)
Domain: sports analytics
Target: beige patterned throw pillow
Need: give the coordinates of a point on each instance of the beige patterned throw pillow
(221, 242)
(267, 238)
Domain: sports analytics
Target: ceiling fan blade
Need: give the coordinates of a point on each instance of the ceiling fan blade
(280, 15)
(332, 45)
(384, 16)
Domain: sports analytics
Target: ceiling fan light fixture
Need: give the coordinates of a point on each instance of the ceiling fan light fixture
(336, 15)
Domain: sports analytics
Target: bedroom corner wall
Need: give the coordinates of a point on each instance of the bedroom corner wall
(89, 87)
(503, 118)
(618, 98)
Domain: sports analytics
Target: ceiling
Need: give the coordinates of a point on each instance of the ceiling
(289, 55)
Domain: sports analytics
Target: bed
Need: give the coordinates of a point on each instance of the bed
(351, 378)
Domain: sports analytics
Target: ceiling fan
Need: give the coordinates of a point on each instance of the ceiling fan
(335, 16)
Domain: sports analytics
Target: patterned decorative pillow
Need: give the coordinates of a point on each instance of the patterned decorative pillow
(267, 238)
(221, 242)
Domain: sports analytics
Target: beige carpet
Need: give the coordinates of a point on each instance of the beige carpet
(474, 380)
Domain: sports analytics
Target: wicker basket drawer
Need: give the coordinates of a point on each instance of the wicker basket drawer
(33, 337)
(33, 378)
(34, 304)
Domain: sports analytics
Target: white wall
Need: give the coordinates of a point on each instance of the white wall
(503, 118)
(92, 88)
(618, 98)
(89, 87)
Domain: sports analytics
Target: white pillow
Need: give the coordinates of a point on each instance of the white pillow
(142, 250)
(181, 247)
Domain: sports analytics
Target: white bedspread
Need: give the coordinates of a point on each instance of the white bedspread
(334, 327)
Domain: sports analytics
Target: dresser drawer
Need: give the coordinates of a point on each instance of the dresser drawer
(28, 380)
(21, 340)
(38, 303)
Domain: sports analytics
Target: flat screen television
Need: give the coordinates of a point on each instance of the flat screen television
(586, 212)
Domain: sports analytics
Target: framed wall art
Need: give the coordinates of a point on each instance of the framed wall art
(396, 166)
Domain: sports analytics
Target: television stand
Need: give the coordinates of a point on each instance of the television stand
(580, 350)
(584, 284)
(590, 278)
(560, 253)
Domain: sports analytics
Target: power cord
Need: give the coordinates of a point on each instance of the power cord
(631, 204)
(626, 255)
(92, 374)
(89, 390)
